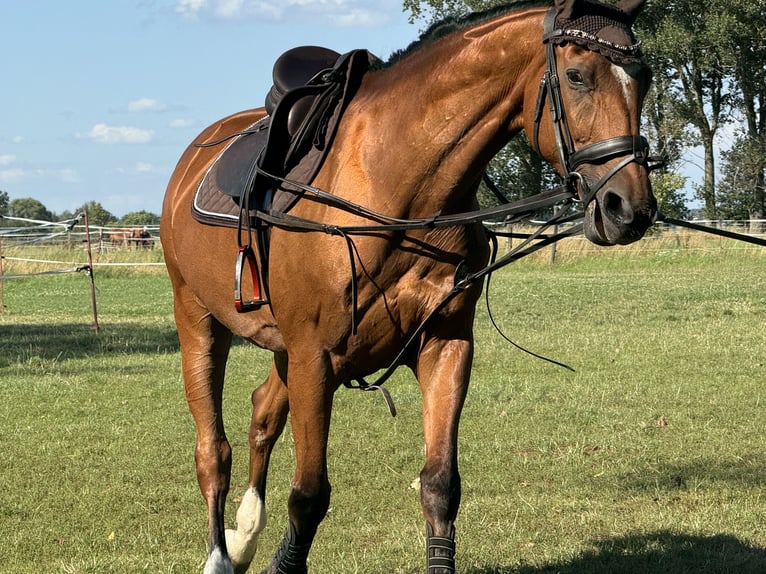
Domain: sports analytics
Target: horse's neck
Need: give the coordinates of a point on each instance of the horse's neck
(452, 105)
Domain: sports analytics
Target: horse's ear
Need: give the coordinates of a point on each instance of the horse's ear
(565, 8)
(632, 8)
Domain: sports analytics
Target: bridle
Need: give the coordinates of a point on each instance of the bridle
(635, 148)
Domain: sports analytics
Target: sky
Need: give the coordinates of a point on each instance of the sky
(100, 98)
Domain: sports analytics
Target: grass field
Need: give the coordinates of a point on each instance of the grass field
(650, 458)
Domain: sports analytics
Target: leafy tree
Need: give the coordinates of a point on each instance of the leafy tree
(4, 200)
(65, 215)
(690, 36)
(742, 181)
(97, 215)
(28, 208)
(518, 171)
(747, 36)
(140, 218)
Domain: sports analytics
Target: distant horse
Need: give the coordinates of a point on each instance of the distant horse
(413, 142)
(130, 237)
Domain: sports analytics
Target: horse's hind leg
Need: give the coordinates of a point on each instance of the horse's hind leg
(204, 351)
(310, 394)
(270, 410)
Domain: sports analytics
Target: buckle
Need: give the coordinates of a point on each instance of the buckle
(246, 254)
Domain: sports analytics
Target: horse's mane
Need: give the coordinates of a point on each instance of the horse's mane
(452, 24)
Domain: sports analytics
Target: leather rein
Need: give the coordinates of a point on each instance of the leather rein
(635, 148)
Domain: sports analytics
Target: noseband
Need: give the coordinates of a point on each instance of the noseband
(634, 148)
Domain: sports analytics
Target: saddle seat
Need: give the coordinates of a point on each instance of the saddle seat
(295, 68)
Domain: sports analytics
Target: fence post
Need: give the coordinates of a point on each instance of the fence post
(90, 271)
(2, 279)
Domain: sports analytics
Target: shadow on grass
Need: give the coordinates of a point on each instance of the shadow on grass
(660, 552)
(747, 469)
(71, 341)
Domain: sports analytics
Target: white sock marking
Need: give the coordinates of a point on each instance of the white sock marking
(251, 519)
(217, 564)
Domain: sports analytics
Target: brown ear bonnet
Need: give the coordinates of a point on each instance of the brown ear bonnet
(599, 28)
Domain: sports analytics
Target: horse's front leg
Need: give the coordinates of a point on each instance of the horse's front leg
(310, 392)
(443, 371)
(205, 347)
(270, 410)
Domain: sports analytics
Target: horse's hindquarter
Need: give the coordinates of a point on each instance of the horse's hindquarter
(201, 258)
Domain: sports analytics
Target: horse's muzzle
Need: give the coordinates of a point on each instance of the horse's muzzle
(611, 218)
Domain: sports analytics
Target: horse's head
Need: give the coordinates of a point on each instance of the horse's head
(594, 86)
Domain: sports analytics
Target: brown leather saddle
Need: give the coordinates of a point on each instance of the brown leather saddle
(258, 168)
(312, 87)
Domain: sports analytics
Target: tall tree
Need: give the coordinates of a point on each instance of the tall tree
(741, 185)
(28, 208)
(97, 215)
(690, 35)
(747, 37)
(140, 218)
(4, 201)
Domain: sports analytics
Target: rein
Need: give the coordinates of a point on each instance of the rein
(509, 212)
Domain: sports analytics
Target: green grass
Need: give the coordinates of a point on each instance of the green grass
(650, 458)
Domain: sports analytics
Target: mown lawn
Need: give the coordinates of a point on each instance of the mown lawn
(649, 458)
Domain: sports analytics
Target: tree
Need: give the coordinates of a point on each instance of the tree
(742, 183)
(140, 218)
(97, 215)
(748, 46)
(690, 36)
(518, 171)
(4, 200)
(28, 208)
(669, 135)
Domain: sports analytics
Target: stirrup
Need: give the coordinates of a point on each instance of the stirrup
(440, 552)
(246, 253)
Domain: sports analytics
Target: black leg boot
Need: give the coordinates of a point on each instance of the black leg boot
(291, 556)
(440, 552)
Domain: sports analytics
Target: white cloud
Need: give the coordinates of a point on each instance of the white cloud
(229, 8)
(181, 123)
(339, 13)
(189, 8)
(7, 159)
(11, 175)
(144, 167)
(104, 134)
(146, 105)
(18, 139)
(68, 175)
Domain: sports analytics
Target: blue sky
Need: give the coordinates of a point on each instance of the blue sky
(100, 98)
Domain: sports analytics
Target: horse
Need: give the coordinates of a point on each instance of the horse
(130, 237)
(412, 142)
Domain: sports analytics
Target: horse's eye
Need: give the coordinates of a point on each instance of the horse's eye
(575, 77)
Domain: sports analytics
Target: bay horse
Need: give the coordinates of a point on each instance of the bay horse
(413, 142)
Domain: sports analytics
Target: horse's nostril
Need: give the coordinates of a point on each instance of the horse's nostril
(617, 208)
